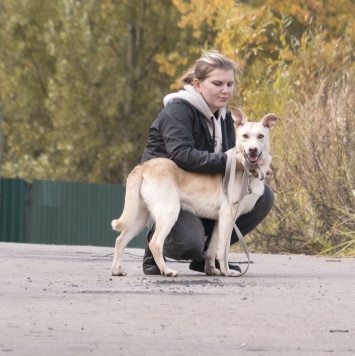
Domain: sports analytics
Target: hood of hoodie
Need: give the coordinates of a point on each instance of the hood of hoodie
(195, 99)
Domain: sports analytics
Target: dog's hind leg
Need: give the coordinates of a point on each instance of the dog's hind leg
(163, 225)
(163, 203)
(126, 236)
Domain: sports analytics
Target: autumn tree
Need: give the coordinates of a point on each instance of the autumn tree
(265, 37)
(80, 85)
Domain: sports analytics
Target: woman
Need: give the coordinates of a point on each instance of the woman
(195, 130)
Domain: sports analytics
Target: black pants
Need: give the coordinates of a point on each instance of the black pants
(187, 238)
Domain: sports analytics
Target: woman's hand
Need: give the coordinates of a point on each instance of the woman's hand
(268, 175)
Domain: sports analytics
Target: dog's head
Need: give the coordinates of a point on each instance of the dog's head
(253, 137)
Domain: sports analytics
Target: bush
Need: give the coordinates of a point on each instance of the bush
(313, 155)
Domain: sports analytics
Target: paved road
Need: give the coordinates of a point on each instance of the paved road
(62, 300)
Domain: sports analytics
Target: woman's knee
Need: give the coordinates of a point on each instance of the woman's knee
(184, 248)
(266, 201)
(187, 238)
(249, 221)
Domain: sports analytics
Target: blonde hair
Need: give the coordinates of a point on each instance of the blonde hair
(206, 64)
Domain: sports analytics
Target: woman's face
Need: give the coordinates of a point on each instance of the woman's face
(217, 89)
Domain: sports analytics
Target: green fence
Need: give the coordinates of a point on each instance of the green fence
(67, 213)
(13, 210)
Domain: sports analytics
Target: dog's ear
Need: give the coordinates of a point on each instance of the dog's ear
(269, 120)
(238, 116)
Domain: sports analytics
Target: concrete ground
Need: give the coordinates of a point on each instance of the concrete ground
(62, 300)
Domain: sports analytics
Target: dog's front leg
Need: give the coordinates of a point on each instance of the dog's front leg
(225, 229)
(211, 254)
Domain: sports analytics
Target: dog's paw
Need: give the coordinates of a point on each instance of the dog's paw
(118, 271)
(233, 273)
(212, 271)
(169, 273)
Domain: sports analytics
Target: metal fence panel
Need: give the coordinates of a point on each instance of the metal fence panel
(13, 210)
(76, 213)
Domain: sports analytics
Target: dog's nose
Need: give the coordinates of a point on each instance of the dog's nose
(253, 150)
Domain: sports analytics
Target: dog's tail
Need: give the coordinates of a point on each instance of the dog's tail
(131, 205)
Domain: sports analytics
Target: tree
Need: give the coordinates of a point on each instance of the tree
(80, 85)
(265, 36)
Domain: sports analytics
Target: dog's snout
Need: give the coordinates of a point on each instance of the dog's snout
(253, 150)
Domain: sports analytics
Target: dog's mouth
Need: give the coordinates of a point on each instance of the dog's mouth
(253, 157)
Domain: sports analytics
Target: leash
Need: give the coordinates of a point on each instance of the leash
(228, 188)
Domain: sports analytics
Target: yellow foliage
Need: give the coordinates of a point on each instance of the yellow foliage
(168, 63)
(244, 31)
(198, 12)
(174, 64)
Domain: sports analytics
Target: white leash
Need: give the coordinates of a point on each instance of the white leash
(228, 188)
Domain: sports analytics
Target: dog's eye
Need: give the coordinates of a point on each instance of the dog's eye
(261, 136)
(245, 136)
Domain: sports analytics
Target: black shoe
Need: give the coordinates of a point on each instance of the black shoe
(199, 266)
(149, 265)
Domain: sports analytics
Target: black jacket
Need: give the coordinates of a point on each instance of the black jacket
(180, 133)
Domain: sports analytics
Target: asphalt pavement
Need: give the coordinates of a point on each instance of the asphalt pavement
(62, 300)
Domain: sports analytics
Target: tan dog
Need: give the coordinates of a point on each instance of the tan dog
(159, 188)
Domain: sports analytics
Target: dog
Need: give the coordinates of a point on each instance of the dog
(159, 188)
